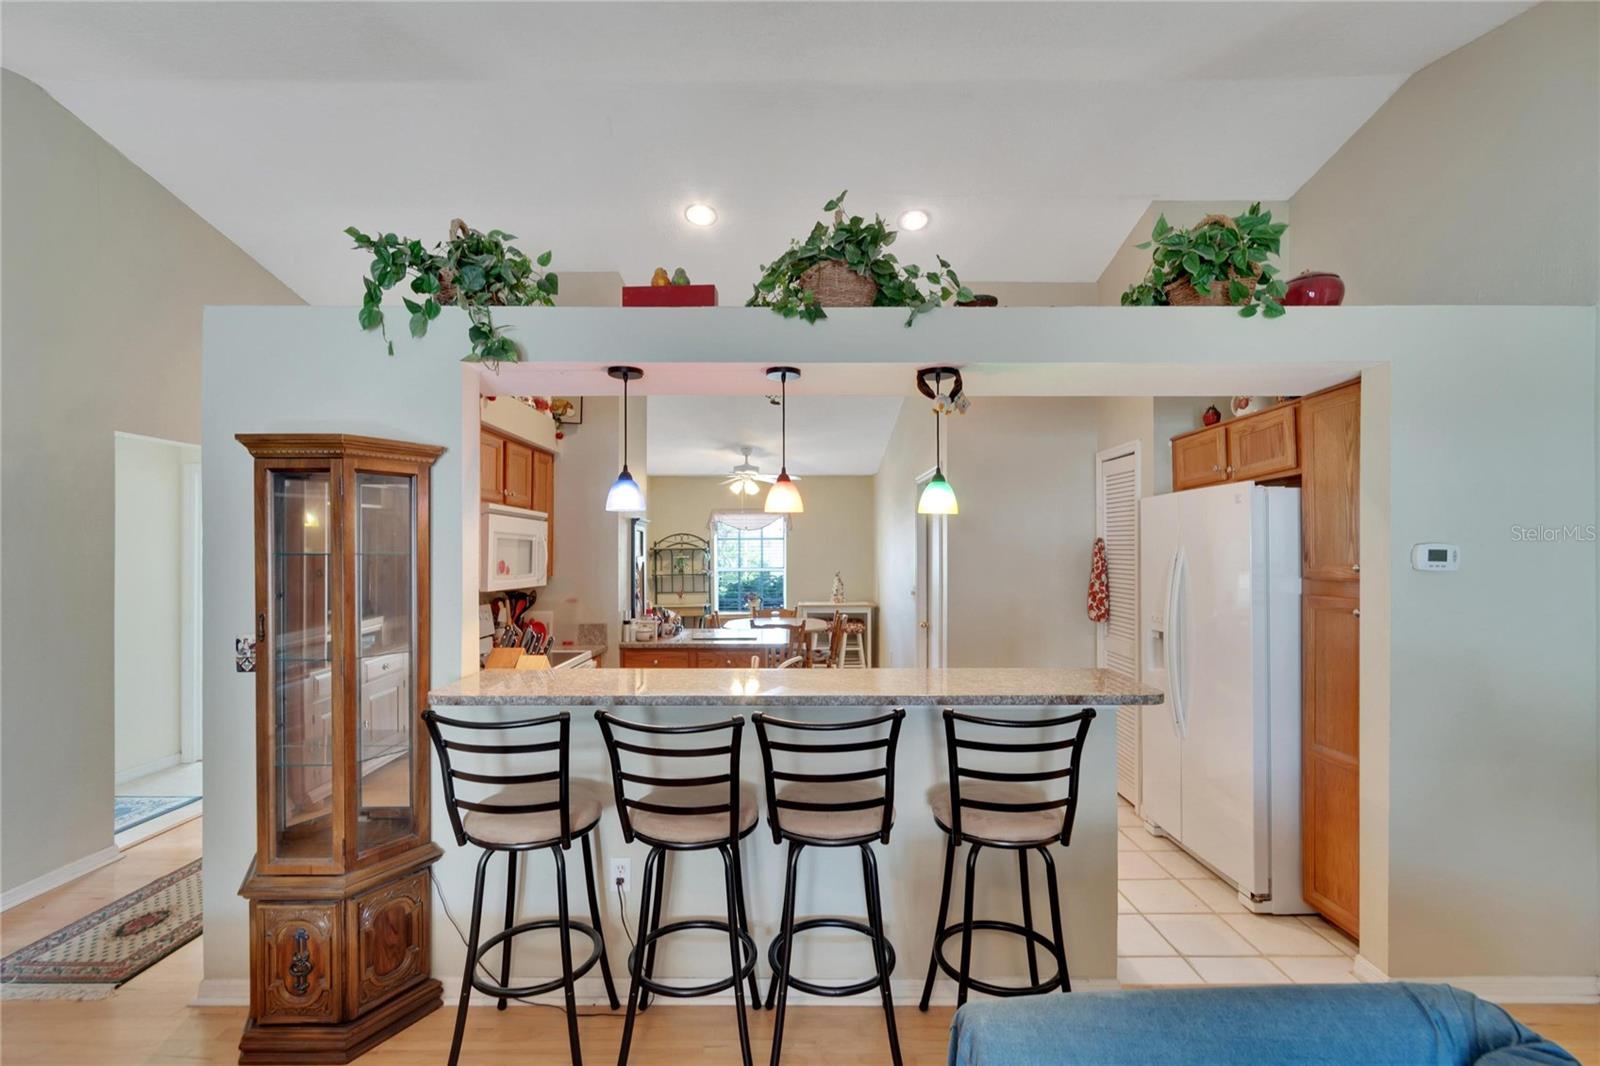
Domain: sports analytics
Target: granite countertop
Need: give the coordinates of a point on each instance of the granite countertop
(720, 639)
(774, 688)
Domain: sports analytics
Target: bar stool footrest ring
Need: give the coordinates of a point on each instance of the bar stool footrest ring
(775, 957)
(747, 951)
(954, 973)
(482, 984)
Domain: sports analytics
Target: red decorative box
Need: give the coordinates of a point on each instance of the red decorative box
(669, 296)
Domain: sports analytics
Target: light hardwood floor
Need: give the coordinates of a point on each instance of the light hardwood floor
(150, 1023)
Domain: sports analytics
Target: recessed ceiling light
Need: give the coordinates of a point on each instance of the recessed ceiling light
(700, 214)
(914, 219)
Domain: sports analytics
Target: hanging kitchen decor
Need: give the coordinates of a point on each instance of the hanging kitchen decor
(783, 497)
(625, 494)
(937, 496)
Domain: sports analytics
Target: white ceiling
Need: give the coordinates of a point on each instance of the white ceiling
(827, 434)
(1034, 133)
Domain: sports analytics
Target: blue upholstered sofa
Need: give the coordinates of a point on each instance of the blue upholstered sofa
(1280, 1025)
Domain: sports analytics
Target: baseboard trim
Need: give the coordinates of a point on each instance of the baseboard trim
(1580, 990)
(591, 992)
(165, 762)
(58, 877)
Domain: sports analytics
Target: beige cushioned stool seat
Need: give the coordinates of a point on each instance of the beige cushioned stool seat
(693, 828)
(1010, 827)
(832, 825)
(584, 799)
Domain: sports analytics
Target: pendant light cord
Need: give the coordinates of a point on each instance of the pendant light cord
(624, 422)
(783, 420)
(938, 455)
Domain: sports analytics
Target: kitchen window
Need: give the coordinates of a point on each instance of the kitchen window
(749, 555)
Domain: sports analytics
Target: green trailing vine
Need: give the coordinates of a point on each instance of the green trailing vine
(472, 270)
(1218, 251)
(859, 245)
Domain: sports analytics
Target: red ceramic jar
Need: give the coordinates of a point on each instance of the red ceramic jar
(1315, 288)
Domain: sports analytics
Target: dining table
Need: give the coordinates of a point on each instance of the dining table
(809, 625)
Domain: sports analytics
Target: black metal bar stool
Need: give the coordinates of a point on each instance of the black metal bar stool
(531, 811)
(848, 808)
(711, 810)
(1005, 809)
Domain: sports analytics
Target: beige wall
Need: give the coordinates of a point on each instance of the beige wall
(1475, 182)
(1040, 293)
(106, 274)
(148, 602)
(1018, 553)
(834, 534)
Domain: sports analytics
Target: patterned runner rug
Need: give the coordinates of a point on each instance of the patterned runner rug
(137, 810)
(91, 957)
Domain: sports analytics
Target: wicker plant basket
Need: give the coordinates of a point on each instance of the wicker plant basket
(836, 285)
(1182, 294)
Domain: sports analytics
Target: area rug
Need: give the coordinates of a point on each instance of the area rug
(92, 956)
(137, 810)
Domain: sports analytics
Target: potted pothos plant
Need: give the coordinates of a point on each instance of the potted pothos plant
(846, 265)
(1220, 261)
(472, 270)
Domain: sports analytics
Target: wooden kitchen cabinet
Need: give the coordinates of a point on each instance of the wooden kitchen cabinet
(491, 467)
(1330, 745)
(1200, 458)
(1263, 445)
(1330, 483)
(667, 658)
(519, 474)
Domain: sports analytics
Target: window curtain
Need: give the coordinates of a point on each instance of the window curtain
(747, 520)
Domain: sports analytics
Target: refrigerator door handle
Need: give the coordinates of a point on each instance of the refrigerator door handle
(1170, 643)
(1179, 578)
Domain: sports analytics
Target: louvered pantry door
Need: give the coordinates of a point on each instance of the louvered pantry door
(1117, 639)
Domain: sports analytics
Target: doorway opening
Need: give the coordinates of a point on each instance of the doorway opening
(156, 636)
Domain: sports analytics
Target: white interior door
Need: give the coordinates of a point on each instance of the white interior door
(1117, 491)
(1160, 749)
(1217, 654)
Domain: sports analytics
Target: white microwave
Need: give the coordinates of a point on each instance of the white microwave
(515, 553)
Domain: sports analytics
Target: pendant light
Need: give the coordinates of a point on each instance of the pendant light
(783, 497)
(625, 494)
(937, 495)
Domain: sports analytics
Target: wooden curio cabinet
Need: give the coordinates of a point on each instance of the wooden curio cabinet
(339, 902)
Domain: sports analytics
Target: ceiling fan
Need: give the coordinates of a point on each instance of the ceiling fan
(746, 478)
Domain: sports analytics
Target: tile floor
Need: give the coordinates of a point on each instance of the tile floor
(1178, 924)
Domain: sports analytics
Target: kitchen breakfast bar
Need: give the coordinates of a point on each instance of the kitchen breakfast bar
(1027, 721)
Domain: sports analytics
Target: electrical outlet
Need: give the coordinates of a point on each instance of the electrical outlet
(622, 874)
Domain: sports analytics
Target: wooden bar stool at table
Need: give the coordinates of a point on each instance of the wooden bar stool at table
(533, 810)
(987, 806)
(851, 808)
(704, 810)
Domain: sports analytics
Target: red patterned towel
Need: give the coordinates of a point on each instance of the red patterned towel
(1099, 601)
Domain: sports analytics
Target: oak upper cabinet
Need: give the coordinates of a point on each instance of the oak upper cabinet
(491, 467)
(1200, 458)
(544, 499)
(1263, 445)
(519, 474)
(1330, 749)
(1330, 482)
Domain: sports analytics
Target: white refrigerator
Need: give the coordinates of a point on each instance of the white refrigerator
(1219, 587)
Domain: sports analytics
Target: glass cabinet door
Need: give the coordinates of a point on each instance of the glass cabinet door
(386, 610)
(301, 646)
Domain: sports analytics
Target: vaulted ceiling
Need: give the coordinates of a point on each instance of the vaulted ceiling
(1035, 134)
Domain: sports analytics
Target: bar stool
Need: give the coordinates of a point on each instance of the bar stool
(854, 652)
(844, 809)
(687, 812)
(1005, 809)
(535, 811)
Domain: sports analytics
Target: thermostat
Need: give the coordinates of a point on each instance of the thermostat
(1435, 557)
